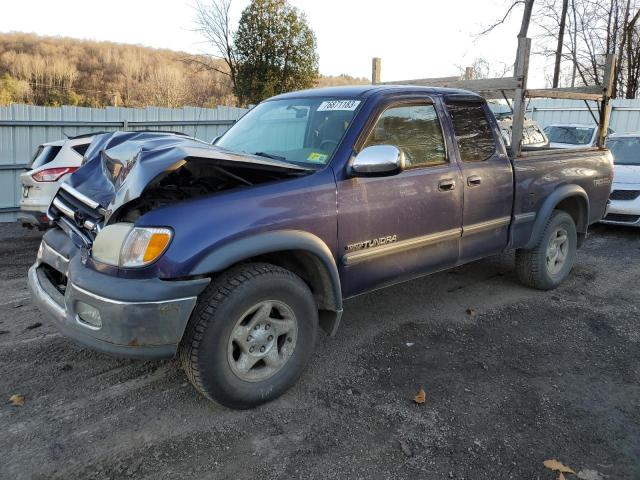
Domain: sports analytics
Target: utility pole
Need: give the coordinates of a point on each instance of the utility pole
(376, 65)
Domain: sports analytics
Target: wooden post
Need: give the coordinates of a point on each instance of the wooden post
(521, 69)
(468, 73)
(376, 65)
(605, 104)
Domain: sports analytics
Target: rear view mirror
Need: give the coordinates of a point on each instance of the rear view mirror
(378, 160)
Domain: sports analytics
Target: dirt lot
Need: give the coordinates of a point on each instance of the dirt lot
(527, 376)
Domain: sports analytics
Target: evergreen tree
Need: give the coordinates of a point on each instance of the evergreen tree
(275, 50)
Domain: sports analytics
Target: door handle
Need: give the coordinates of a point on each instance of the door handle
(474, 180)
(446, 185)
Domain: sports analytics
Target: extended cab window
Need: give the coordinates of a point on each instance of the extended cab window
(414, 129)
(472, 130)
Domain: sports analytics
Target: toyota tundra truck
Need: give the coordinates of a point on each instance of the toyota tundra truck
(232, 256)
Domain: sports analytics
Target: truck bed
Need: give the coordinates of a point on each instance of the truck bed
(538, 174)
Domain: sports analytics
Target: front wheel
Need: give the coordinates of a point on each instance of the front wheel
(549, 264)
(251, 335)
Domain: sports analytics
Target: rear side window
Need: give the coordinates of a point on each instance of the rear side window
(44, 155)
(472, 130)
(414, 129)
(81, 149)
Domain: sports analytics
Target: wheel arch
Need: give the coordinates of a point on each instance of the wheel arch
(303, 253)
(569, 198)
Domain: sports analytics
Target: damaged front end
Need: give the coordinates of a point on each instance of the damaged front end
(127, 174)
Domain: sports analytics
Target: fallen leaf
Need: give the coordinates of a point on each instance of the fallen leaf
(472, 312)
(420, 397)
(557, 466)
(16, 400)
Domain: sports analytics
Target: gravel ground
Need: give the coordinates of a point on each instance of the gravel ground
(513, 377)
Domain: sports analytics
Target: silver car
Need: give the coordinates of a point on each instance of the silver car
(51, 165)
(624, 207)
(572, 135)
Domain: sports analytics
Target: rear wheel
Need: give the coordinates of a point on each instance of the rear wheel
(250, 336)
(547, 265)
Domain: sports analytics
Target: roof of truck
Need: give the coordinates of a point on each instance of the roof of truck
(363, 91)
(623, 135)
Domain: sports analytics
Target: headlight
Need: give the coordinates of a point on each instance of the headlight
(124, 245)
(143, 246)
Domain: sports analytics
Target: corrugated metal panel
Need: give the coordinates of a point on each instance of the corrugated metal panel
(18, 142)
(625, 114)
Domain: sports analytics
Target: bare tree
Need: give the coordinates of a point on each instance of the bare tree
(630, 36)
(482, 68)
(526, 18)
(560, 44)
(579, 34)
(213, 21)
(503, 19)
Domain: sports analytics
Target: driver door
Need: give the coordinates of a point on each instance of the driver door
(396, 227)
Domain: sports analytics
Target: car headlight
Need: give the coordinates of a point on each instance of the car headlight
(124, 245)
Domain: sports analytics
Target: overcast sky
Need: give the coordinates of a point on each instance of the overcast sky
(415, 38)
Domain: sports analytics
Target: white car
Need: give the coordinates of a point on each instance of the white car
(624, 207)
(533, 136)
(572, 135)
(52, 163)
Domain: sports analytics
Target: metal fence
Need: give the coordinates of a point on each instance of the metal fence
(24, 127)
(625, 114)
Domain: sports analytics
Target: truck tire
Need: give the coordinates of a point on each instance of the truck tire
(548, 264)
(250, 336)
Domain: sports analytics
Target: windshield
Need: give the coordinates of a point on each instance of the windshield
(625, 151)
(569, 135)
(297, 130)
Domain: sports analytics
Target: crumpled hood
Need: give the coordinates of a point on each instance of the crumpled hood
(626, 174)
(118, 166)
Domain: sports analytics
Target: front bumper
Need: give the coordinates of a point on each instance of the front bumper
(623, 212)
(142, 318)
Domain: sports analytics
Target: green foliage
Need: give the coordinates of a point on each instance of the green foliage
(275, 51)
(58, 98)
(13, 91)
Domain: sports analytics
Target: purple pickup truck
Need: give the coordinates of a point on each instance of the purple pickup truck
(232, 255)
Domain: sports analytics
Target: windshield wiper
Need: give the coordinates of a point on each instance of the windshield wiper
(271, 156)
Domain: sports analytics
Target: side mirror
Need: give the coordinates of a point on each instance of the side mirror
(378, 160)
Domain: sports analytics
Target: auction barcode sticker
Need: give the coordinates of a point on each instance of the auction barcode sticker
(328, 105)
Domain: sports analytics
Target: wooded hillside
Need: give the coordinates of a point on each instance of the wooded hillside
(65, 71)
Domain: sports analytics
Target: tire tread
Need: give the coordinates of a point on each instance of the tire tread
(220, 288)
(528, 264)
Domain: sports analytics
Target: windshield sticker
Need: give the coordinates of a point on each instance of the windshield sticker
(317, 157)
(331, 105)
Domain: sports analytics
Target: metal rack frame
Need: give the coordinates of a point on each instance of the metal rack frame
(514, 90)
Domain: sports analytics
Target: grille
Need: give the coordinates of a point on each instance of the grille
(625, 194)
(76, 213)
(622, 218)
